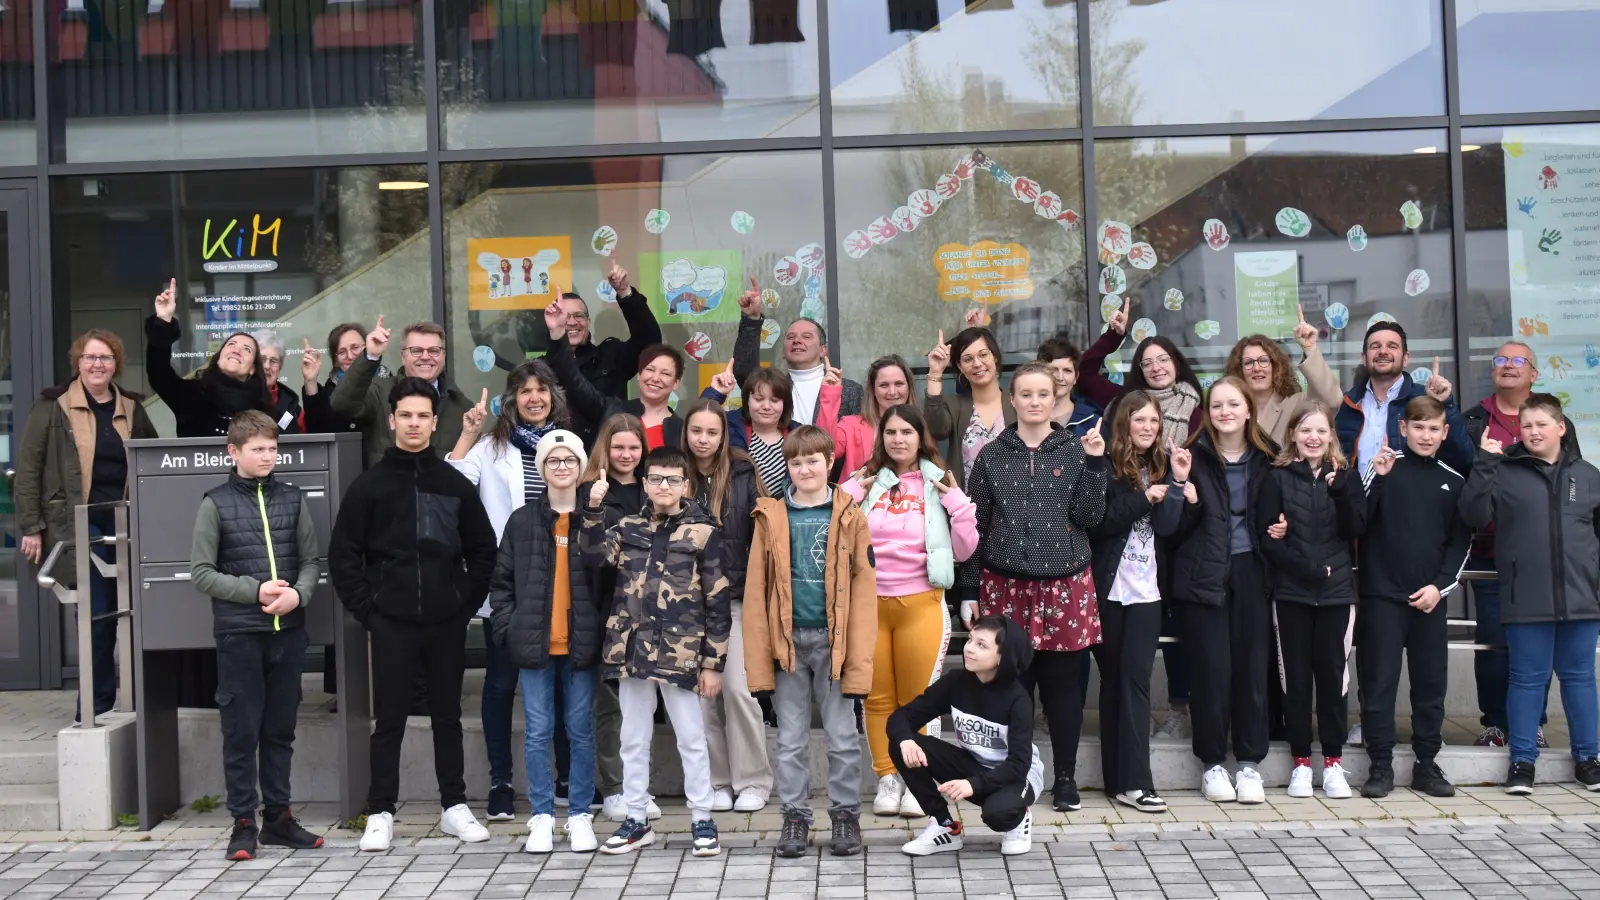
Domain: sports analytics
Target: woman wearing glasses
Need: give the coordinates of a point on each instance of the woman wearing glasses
(503, 464)
(1159, 369)
(1259, 361)
(980, 411)
(72, 453)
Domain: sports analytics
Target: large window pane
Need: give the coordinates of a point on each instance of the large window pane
(1265, 60)
(1528, 55)
(670, 221)
(1533, 259)
(518, 73)
(187, 79)
(1348, 226)
(18, 144)
(928, 66)
(930, 233)
(294, 250)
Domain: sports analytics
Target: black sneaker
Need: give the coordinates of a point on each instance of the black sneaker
(1380, 782)
(1428, 778)
(1588, 773)
(283, 830)
(846, 833)
(705, 838)
(242, 844)
(1143, 801)
(796, 834)
(1065, 795)
(1519, 780)
(631, 835)
(502, 803)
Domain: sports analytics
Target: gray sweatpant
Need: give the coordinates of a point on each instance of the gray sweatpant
(813, 666)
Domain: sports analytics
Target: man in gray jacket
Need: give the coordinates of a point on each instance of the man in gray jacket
(1545, 505)
(363, 395)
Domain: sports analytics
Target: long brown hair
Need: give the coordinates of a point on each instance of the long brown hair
(600, 459)
(511, 416)
(1284, 383)
(1334, 456)
(716, 482)
(911, 415)
(1127, 461)
(1253, 434)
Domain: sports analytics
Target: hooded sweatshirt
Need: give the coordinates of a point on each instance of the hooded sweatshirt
(993, 721)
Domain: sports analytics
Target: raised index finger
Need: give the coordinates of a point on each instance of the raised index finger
(1436, 367)
(1301, 310)
(753, 285)
(380, 322)
(484, 400)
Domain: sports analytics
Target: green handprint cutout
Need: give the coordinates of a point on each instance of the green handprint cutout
(1548, 240)
(1293, 222)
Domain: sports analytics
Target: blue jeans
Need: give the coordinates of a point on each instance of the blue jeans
(1491, 668)
(1567, 648)
(499, 693)
(538, 703)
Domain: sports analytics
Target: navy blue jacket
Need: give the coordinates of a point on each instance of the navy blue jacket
(1457, 451)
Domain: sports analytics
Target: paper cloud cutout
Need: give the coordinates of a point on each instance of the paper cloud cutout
(693, 290)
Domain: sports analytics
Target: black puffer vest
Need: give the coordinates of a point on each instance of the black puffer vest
(243, 547)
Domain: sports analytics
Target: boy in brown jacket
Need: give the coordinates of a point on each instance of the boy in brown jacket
(811, 579)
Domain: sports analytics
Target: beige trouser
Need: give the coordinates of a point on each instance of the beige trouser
(736, 737)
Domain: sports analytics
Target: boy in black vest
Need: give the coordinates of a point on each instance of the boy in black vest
(1411, 559)
(250, 536)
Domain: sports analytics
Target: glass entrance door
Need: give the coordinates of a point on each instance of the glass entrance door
(23, 643)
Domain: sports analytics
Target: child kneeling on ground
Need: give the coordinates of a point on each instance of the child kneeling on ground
(995, 764)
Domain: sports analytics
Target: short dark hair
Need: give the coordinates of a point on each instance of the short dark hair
(1386, 325)
(995, 625)
(655, 351)
(1423, 408)
(1542, 402)
(1059, 348)
(666, 458)
(339, 332)
(412, 386)
(252, 423)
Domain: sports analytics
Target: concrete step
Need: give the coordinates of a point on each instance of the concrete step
(29, 807)
(28, 762)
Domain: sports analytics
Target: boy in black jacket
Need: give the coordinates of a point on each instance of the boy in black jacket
(411, 556)
(1411, 559)
(994, 764)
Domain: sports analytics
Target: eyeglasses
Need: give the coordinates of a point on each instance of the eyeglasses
(271, 361)
(981, 356)
(1260, 362)
(429, 352)
(580, 316)
(98, 360)
(1149, 363)
(1499, 361)
(562, 462)
(668, 480)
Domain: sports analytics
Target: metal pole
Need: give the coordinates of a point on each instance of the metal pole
(83, 593)
(124, 612)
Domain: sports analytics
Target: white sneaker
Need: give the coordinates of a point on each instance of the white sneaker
(652, 812)
(615, 808)
(380, 831)
(722, 800)
(1217, 786)
(459, 821)
(1300, 782)
(580, 834)
(1247, 786)
(890, 790)
(1175, 726)
(749, 800)
(541, 834)
(1334, 784)
(1354, 737)
(1142, 801)
(934, 839)
(909, 807)
(1018, 840)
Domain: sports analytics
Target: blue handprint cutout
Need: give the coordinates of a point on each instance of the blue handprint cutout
(1591, 356)
(1525, 206)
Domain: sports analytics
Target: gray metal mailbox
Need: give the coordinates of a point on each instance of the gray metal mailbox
(168, 479)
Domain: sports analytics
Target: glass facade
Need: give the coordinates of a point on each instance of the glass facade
(881, 165)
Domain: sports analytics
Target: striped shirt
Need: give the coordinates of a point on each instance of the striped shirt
(532, 481)
(770, 465)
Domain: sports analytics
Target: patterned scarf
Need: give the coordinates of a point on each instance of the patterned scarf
(1177, 404)
(526, 437)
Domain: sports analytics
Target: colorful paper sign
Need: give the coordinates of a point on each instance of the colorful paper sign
(517, 272)
(693, 285)
(985, 272)
(1267, 288)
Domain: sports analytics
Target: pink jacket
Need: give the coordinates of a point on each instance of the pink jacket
(899, 534)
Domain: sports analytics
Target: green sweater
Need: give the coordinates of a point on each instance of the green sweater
(208, 580)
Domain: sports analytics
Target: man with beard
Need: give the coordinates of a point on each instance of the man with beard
(1372, 409)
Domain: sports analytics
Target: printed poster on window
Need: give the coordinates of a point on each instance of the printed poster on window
(985, 272)
(1553, 253)
(1267, 286)
(517, 273)
(690, 287)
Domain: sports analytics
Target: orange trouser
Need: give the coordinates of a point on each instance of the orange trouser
(913, 637)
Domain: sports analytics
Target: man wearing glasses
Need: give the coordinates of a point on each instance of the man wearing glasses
(609, 364)
(363, 395)
(1516, 368)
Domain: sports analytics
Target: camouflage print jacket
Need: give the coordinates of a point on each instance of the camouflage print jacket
(670, 617)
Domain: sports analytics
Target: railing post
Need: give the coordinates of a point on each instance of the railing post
(124, 611)
(84, 594)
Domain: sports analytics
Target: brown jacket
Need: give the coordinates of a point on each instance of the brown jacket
(852, 597)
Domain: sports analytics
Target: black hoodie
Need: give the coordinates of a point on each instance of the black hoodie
(993, 721)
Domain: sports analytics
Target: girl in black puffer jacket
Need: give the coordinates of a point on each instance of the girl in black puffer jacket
(726, 484)
(1312, 506)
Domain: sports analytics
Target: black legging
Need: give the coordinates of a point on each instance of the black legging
(1061, 674)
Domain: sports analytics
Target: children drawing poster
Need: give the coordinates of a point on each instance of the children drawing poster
(517, 273)
(693, 286)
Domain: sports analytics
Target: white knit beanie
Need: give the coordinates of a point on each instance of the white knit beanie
(560, 437)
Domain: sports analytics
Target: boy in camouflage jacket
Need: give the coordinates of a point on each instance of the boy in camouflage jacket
(667, 632)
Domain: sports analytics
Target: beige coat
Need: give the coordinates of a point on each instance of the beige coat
(1323, 385)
